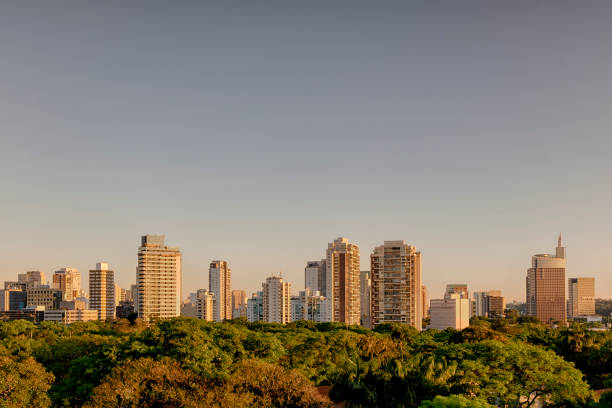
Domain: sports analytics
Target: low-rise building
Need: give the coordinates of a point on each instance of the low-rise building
(66, 316)
(451, 312)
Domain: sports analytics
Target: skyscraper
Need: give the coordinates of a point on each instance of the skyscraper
(424, 301)
(314, 276)
(255, 307)
(546, 286)
(205, 305)
(102, 291)
(276, 300)
(239, 303)
(68, 280)
(396, 284)
(343, 282)
(365, 304)
(220, 283)
(158, 277)
(581, 300)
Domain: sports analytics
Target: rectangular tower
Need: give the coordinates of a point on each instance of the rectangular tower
(581, 300)
(158, 278)
(220, 283)
(343, 282)
(102, 291)
(396, 285)
(276, 300)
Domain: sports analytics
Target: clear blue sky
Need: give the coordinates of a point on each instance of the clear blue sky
(258, 132)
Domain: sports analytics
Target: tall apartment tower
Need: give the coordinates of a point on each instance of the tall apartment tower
(205, 305)
(158, 278)
(396, 284)
(581, 301)
(68, 280)
(276, 300)
(424, 301)
(343, 282)
(220, 283)
(546, 286)
(365, 304)
(314, 277)
(102, 291)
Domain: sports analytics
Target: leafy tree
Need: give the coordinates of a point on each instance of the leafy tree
(274, 386)
(23, 382)
(455, 401)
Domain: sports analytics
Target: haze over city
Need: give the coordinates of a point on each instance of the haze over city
(259, 133)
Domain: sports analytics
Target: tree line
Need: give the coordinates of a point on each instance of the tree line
(185, 362)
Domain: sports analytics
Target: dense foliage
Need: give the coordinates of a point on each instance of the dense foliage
(186, 362)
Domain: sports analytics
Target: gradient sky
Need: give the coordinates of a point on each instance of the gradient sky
(258, 132)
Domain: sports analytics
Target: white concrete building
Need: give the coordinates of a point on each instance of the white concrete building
(451, 312)
(220, 283)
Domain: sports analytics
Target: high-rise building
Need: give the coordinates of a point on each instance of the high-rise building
(276, 300)
(134, 294)
(102, 291)
(546, 286)
(365, 286)
(32, 279)
(68, 280)
(255, 310)
(451, 312)
(489, 304)
(396, 284)
(424, 301)
(158, 278)
(314, 276)
(220, 283)
(239, 300)
(205, 305)
(581, 300)
(343, 282)
(120, 294)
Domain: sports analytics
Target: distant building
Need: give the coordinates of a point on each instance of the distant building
(451, 312)
(70, 316)
(158, 277)
(220, 283)
(12, 285)
(546, 286)
(125, 309)
(32, 279)
(205, 303)
(102, 291)
(239, 300)
(489, 304)
(276, 300)
(44, 296)
(581, 300)
(460, 288)
(365, 299)
(425, 301)
(396, 285)
(315, 276)
(34, 314)
(255, 310)
(343, 282)
(120, 294)
(12, 299)
(68, 280)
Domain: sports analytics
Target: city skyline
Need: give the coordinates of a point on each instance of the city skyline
(472, 288)
(472, 130)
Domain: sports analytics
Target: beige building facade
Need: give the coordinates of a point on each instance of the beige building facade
(102, 291)
(158, 279)
(396, 293)
(581, 297)
(276, 300)
(220, 283)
